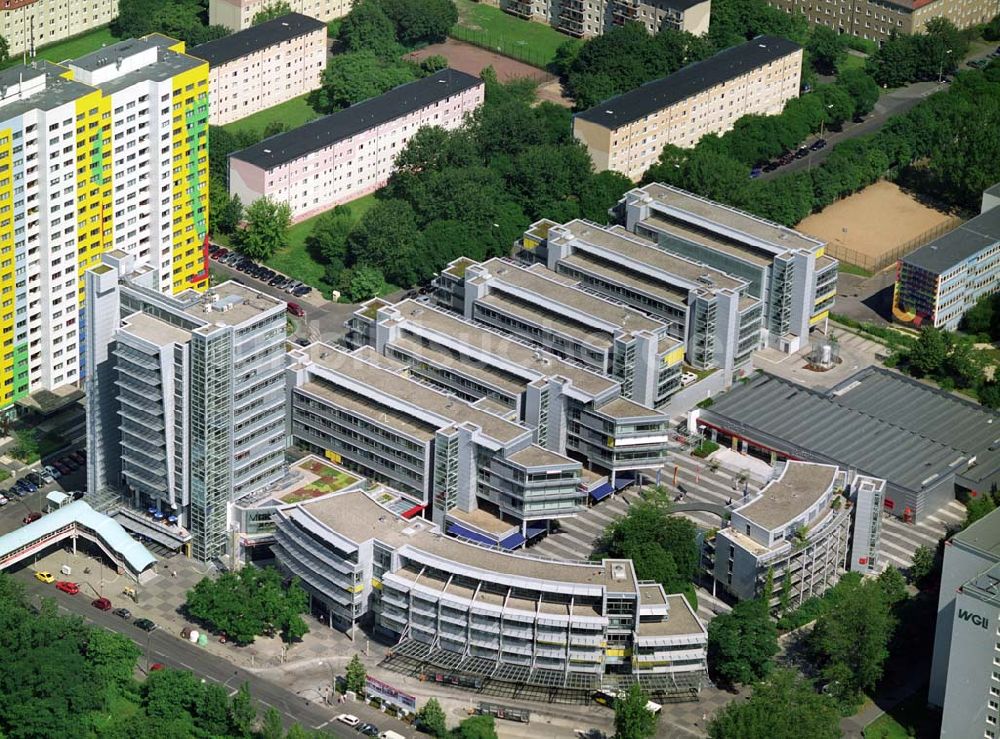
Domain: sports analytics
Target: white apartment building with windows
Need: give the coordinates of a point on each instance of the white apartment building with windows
(238, 15)
(27, 25)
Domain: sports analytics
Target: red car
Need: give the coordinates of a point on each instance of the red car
(156, 666)
(102, 604)
(296, 310)
(70, 588)
(31, 517)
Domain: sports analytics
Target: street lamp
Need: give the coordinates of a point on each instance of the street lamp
(941, 68)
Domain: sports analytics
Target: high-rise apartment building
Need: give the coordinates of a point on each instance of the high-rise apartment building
(627, 133)
(109, 150)
(29, 24)
(239, 14)
(586, 18)
(185, 400)
(788, 271)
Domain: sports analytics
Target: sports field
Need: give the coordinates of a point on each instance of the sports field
(874, 227)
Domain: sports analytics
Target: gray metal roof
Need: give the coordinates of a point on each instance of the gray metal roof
(256, 38)
(950, 250)
(876, 421)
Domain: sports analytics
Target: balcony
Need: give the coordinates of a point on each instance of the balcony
(623, 11)
(520, 8)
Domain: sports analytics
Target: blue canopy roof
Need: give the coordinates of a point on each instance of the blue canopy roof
(136, 556)
(602, 491)
(455, 530)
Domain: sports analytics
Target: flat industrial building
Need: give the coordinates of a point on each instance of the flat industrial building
(926, 443)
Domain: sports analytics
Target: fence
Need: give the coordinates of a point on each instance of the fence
(517, 49)
(883, 260)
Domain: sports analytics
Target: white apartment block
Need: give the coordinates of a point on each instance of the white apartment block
(586, 18)
(93, 155)
(239, 14)
(185, 401)
(264, 65)
(29, 24)
(351, 153)
(627, 133)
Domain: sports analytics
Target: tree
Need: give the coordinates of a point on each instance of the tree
(26, 447)
(356, 675)
(851, 637)
(227, 212)
(433, 63)
(113, 657)
(271, 11)
(368, 29)
(632, 719)
(431, 719)
(826, 50)
(212, 711)
(662, 547)
(785, 706)
(989, 393)
(272, 727)
(922, 565)
(893, 585)
(978, 507)
(862, 89)
(421, 21)
(351, 78)
(388, 239)
(477, 727)
(742, 644)
(4, 49)
(930, 351)
(266, 230)
(601, 192)
(361, 283)
(327, 242)
(242, 714)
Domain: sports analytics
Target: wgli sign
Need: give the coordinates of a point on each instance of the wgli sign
(388, 694)
(975, 618)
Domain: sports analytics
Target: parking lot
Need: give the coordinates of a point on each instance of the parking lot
(22, 504)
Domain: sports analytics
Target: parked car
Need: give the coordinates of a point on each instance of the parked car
(295, 284)
(3, 501)
(802, 152)
(62, 467)
(349, 719)
(53, 472)
(273, 282)
(79, 456)
(44, 576)
(367, 729)
(31, 517)
(46, 477)
(35, 479)
(70, 588)
(818, 144)
(145, 624)
(101, 604)
(70, 462)
(77, 494)
(295, 309)
(301, 292)
(157, 666)
(124, 613)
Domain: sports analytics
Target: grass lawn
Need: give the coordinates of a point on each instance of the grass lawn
(851, 62)
(296, 262)
(292, 113)
(911, 718)
(70, 48)
(537, 40)
(853, 269)
(330, 481)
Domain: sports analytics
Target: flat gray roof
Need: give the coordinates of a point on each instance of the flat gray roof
(742, 251)
(644, 253)
(983, 535)
(449, 409)
(154, 330)
(623, 408)
(538, 456)
(680, 621)
(168, 63)
(950, 250)
(800, 486)
(555, 289)
(779, 237)
(876, 421)
(534, 363)
(256, 38)
(229, 304)
(58, 91)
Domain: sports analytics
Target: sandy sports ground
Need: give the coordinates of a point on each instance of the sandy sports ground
(875, 227)
(472, 60)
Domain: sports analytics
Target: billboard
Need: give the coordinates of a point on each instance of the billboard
(375, 688)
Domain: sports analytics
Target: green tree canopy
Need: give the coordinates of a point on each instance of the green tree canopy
(266, 230)
(477, 727)
(662, 547)
(632, 719)
(356, 675)
(387, 238)
(431, 719)
(742, 644)
(827, 49)
(368, 29)
(862, 89)
(271, 11)
(361, 283)
(351, 78)
(785, 706)
(421, 21)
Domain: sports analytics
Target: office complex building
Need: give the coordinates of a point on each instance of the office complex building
(573, 410)
(586, 18)
(712, 312)
(238, 15)
(508, 619)
(628, 132)
(482, 475)
(797, 527)
(789, 271)
(109, 150)
(877, 20)
(927, 444)
(185, 400)
(965, 673)
(263, 66)
(351, 153)
(543, 308)
(939, 282)
(27, 25)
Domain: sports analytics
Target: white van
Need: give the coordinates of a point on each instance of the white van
(390, 735)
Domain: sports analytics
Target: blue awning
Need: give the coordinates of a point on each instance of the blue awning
(536, 528)
(623, 482)
(455, 530)
(602, 491)
(513, 541)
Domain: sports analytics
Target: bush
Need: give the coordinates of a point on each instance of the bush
(705, 448)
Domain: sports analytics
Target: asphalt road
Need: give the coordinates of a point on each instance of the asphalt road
(159, 646)
(892, 103)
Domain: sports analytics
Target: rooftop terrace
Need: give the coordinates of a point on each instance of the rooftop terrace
(801, 486)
